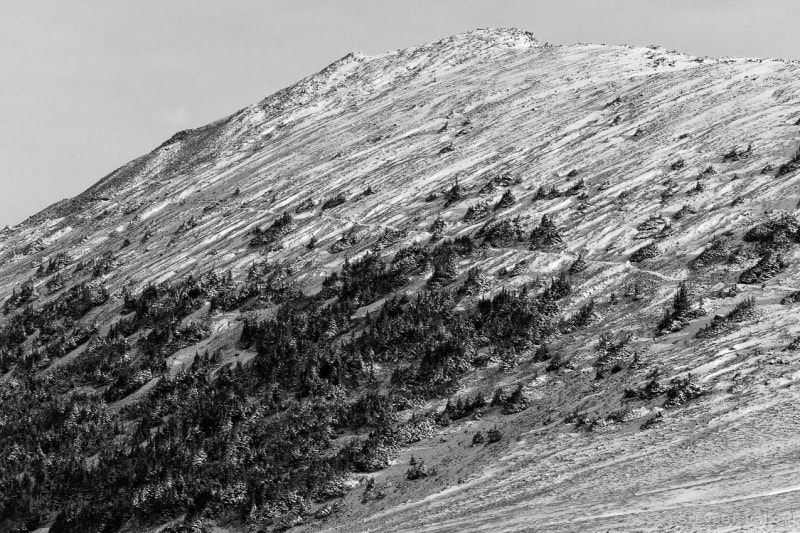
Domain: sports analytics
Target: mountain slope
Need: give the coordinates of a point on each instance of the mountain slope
(652, 168)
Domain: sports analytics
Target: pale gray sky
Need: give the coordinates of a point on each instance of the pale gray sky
(86, 86)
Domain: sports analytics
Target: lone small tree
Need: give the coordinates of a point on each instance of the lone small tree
(676, 318)
(681, 302)
(454, 195)
(495, 435)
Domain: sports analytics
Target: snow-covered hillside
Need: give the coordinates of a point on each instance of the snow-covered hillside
(631, 153)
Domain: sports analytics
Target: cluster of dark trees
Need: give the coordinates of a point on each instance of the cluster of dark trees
(253, 442)
(55, 326)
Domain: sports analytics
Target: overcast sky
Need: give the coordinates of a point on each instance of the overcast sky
(86, 86)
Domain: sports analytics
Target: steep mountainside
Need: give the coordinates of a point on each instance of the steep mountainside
(301, 315)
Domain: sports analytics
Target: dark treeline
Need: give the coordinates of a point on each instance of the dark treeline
(261, 442)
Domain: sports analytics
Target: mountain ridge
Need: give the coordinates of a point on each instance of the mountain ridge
(489, 37)
(605, 236)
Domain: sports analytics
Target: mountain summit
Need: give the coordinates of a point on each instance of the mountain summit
(479, 284)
